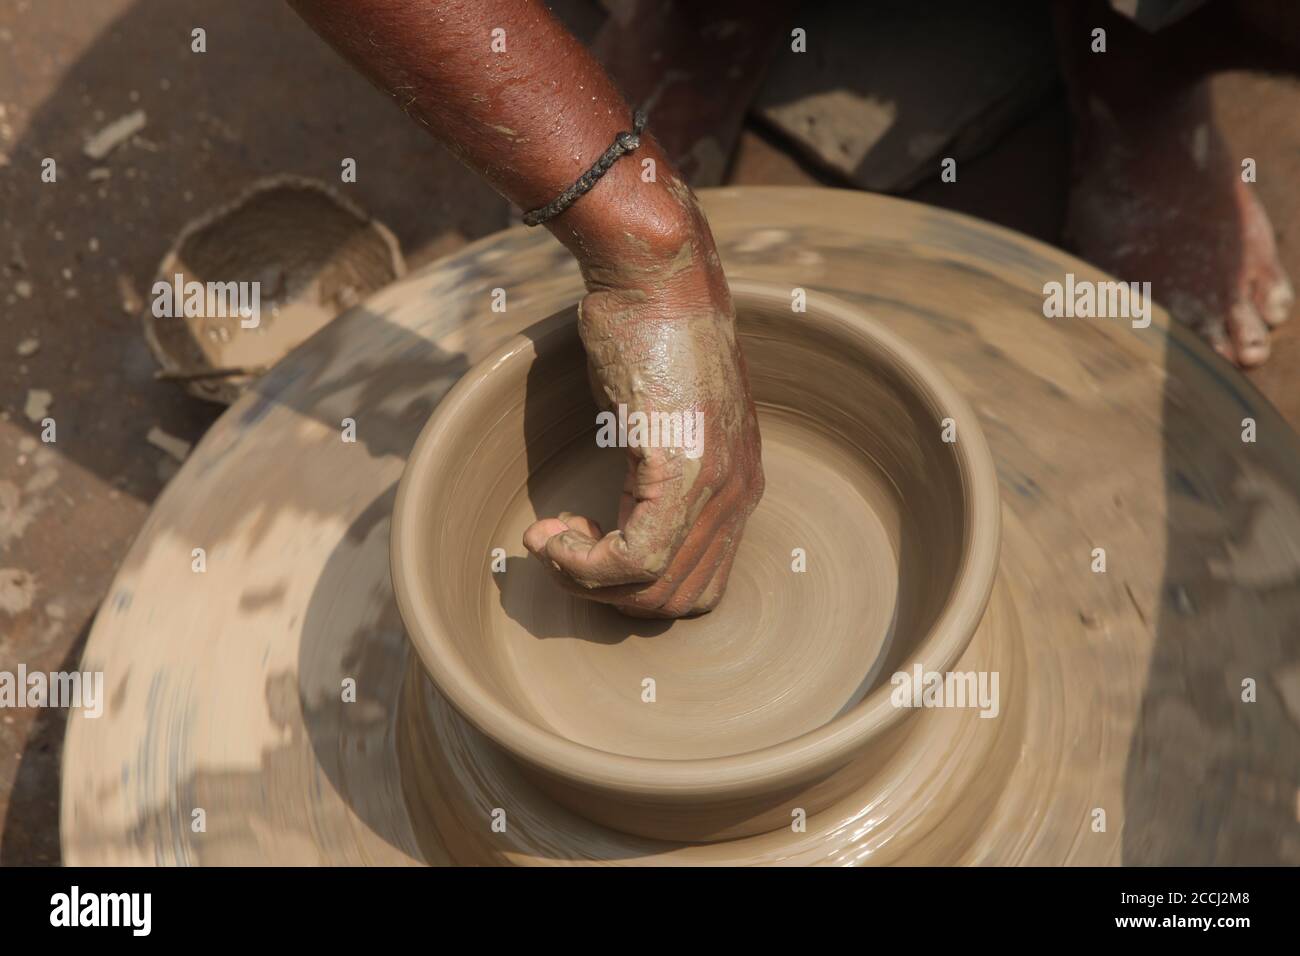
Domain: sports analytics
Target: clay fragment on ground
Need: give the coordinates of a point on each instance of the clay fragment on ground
(114, 134)
(17, 591)
(177, 448)
(38, 404)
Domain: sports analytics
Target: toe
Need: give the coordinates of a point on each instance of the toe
(1276, 301)
(1249, 335)
(1215, 334)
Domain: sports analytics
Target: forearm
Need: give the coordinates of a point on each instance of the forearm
(530, 119)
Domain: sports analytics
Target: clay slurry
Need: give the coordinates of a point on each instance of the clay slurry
(784, 652)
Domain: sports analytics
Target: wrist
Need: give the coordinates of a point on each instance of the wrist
(631, 221)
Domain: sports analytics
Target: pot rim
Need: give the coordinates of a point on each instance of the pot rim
(818, 751)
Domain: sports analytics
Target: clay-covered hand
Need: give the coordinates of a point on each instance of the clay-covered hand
(657, 322)
(659, 329)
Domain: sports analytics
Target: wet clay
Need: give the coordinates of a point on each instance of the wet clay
(1118, 689)
(659, 335)
(712, 726)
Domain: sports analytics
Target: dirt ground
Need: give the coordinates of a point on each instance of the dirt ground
(77, 257)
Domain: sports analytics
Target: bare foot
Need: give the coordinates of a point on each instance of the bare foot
(1158, 197)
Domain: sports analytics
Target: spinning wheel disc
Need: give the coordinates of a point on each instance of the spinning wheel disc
(1121, 691)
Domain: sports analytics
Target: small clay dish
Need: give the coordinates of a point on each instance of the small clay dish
(311, 253)
(873, 551)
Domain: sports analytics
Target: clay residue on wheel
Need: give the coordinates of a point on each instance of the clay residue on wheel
(1120, 691)
(313, 256)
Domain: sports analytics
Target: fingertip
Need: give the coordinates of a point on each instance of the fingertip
(582, 525)
(540, 532)
(569, 541)
(570, 554)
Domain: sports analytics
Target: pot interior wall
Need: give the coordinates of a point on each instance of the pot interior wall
(861, 491)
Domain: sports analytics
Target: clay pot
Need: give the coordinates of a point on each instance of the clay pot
(777, 703)
(313, 255)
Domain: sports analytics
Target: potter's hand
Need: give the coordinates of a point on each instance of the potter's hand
(522, 103)
(659, 331)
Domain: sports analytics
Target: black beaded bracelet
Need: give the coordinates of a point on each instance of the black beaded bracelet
(623, 144)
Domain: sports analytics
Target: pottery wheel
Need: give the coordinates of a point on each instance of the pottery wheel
(1150, 712)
